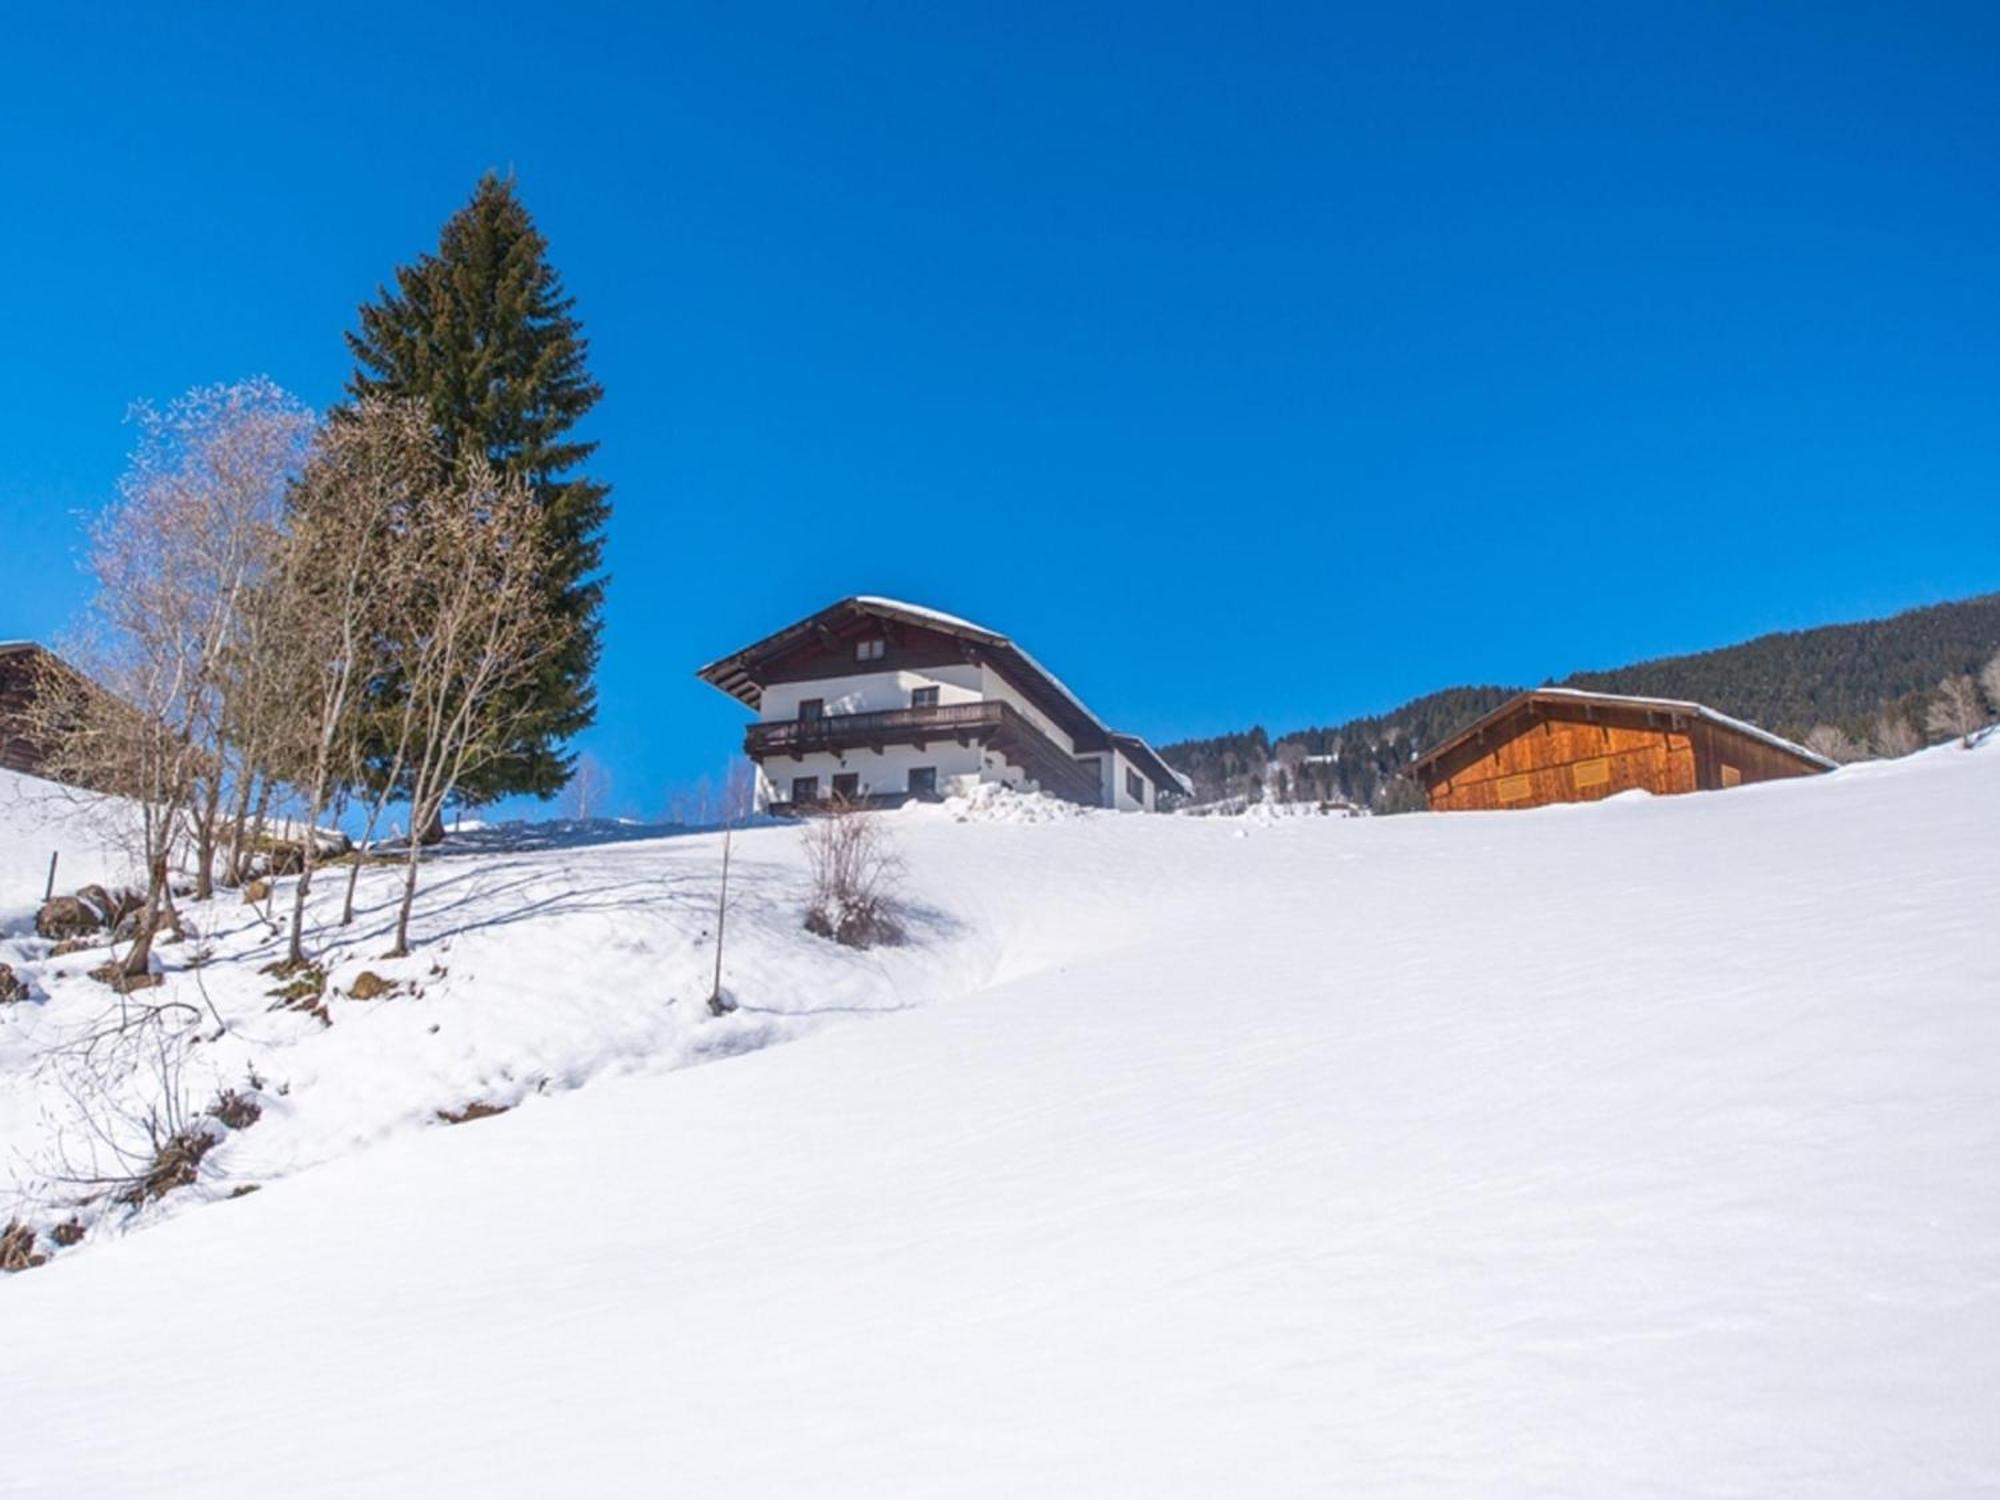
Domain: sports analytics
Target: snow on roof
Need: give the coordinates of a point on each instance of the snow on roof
(1699, 710)
(955, 622)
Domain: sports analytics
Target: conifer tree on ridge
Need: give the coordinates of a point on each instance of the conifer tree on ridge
(484, 333)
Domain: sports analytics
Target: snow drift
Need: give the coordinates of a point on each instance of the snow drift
(1643, 1148)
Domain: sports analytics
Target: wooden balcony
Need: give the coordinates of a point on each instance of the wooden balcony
(997, 725)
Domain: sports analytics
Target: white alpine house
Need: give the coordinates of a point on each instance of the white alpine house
(875, 701)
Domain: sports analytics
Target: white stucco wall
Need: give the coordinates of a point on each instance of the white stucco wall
(993, 685)
(1120, 798)
(885, 772)
(873, 692)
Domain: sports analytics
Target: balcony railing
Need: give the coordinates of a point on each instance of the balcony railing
(993, 722)
(940, 721)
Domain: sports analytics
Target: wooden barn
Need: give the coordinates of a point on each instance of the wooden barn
(21, 663)
(1565, 745)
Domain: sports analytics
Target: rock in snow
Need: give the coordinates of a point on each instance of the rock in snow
(1644, 1148)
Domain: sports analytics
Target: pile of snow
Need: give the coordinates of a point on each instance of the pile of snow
(1638, 1148)
(991, 802)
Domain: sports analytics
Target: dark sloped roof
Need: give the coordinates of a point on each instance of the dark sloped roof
(1559, 697)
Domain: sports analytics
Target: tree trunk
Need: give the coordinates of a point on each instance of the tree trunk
(204, 856)
(402, 948)
(139, 955)
(296, 953)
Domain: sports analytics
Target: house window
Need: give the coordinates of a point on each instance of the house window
(805, 789)
(1135, 788)
(847, 786)
(923, 697)
(923, 781)
(1731, 776)
(812, 708)
(870, 650)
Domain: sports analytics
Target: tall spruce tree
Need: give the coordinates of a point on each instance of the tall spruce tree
(483, 332)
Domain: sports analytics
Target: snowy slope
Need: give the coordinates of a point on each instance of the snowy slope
(1644, 1148)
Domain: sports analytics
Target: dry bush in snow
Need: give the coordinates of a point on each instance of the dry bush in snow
(1892, 736)
(1835, 743)
(855, 873)
(131, 1128)
(1956, 712)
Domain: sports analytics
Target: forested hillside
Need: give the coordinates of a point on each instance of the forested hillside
(1851, 677)
(1844, 675)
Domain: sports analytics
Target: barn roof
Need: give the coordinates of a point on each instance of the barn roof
(1571, 697)
(739, 674)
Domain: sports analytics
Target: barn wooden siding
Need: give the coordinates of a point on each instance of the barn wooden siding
(1539, 751)
(18, 667)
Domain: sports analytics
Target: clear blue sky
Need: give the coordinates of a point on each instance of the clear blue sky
(1247, 363)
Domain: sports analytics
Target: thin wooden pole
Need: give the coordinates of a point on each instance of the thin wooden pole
(717, 1005)
(49, 891)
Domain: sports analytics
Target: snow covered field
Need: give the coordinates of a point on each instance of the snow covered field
(1645, 1148)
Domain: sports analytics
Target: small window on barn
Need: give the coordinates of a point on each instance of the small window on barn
(1515, 788)
(1589, 773)
(1731, 776)
(923, 697)
(805, 790)
(1135, 788)
(923, 781)
(869, 650)
(812, 708)
(847, 785)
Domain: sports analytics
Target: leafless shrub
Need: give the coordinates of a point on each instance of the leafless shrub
(234, 1109)
(1956, 711)
(1989, 682)
(1835, 743)
(17, 1247)
(1893, 737)
(855, 875)
(132, 1129)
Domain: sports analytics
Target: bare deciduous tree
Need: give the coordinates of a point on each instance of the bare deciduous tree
(175, 560)
(338, 574)
(1956, 710)
(589, 788)
(1989, 682)
(468, 627)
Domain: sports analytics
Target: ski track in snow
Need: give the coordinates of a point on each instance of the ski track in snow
(1644, 1148)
